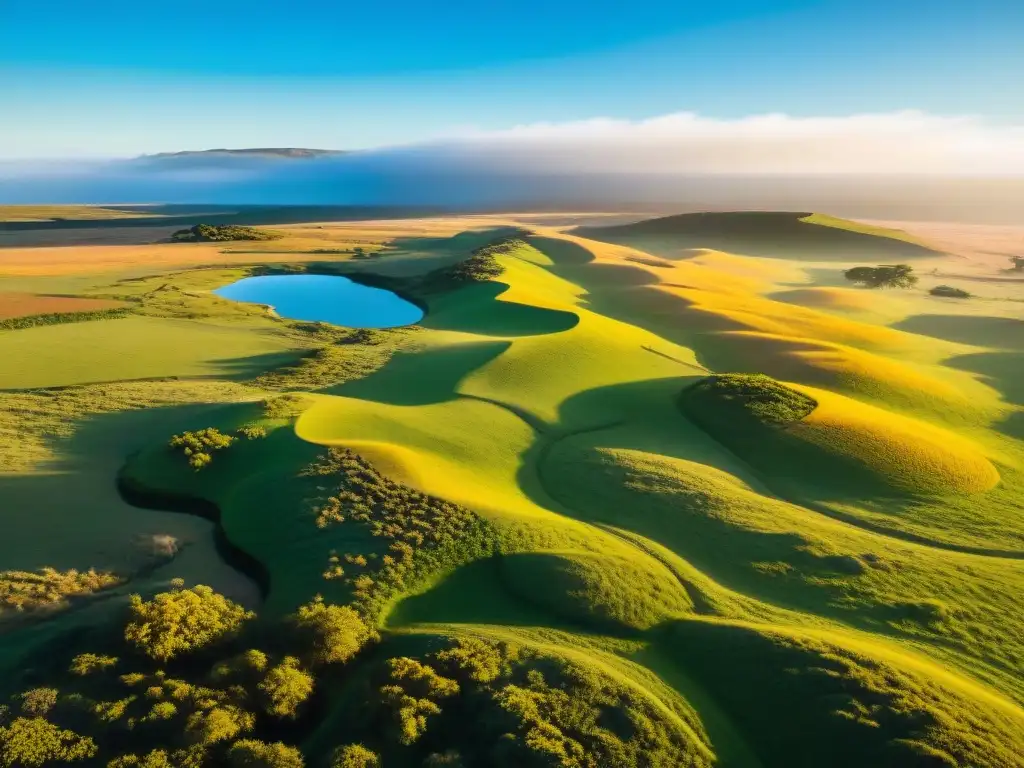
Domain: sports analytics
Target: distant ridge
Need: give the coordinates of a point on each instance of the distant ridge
(282, 152)
(785, 234)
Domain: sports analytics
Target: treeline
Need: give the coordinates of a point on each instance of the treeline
(57, 318)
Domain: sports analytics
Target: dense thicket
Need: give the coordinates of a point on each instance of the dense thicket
(214, 233)
(421, 535)
(482, 703)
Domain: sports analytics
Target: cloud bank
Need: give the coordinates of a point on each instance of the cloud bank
(759, 161)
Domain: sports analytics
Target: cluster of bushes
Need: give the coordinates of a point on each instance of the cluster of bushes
(183, 686)
(745, 400)
(949, 292)
(198, 447)
(201, 233)
(425, 535)
(884, 276)
(59, 318)
(24, 592)
(480, 703)
(480, 267)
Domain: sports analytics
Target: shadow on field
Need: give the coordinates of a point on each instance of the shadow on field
(478, 309)
(769, 234)
(246, 368)
(68, 513)
(1001, 371)
(422, 377)
(995, 332)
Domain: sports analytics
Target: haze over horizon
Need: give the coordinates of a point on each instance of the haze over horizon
(436, 112)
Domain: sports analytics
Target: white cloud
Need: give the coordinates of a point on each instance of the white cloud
(685, 142)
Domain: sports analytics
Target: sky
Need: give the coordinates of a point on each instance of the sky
(120, 79)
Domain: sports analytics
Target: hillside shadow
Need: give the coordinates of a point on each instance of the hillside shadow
(477, 309)
(1004, 372)
(68, 513)
(422, 377)
(562, 252)
(994, 332)
(755, 233)
(472, 594)
(246, 368)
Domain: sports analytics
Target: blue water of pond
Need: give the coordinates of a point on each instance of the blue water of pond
(325, 298)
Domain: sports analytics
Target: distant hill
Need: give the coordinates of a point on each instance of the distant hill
(291, 153)
(783, 234)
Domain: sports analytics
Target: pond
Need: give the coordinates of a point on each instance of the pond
(325, 298)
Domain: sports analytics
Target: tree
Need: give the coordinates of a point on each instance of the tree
(218, 724)
(336, 632)
(1018, 263)
(34, 742)
(355, 756)
(250, 753)
(199, 446)
(883, 276)
(285, 687)
(38, 701)
(182, 621)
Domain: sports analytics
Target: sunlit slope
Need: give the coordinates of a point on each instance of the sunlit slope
(135, 348)
(774, 234)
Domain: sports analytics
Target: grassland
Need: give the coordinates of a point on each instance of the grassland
(544, 502)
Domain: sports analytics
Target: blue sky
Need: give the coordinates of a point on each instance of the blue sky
(117, 78)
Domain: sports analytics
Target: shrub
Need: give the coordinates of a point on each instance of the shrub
(250, 753)
(182, 621)
(355, 756)
(87, 663)
(285, 687)
(884, 276)
(950, 292)
(252, 431)
(33, 742)
(198, 446)
(1017, 263)
(336, 632)
(743, 399)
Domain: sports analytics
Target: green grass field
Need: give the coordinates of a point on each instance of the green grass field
(708, 509)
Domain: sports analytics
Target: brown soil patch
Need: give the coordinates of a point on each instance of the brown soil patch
(26, 304)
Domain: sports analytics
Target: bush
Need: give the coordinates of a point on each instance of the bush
(182, 621)
(949, 292)
(250, 753)
(355, 756)
(252, 431)
(743, 400)
(38, 701)
(884, 276)
(198, 446)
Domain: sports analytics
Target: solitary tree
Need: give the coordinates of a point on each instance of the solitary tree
(884, 276)
(181, 621)
(1018, 263)
(355, 756)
